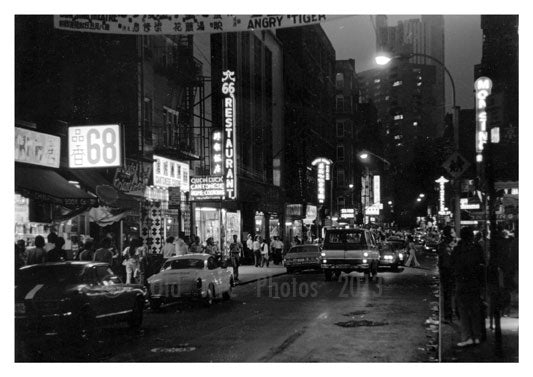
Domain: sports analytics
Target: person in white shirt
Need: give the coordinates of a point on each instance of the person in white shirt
(169, 249)
(264, 252)
(276, 248)
(248, 253)
(181, 245)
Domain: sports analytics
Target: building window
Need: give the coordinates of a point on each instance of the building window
(170, 129)
(398, 117)
(339, 103)
(340, 129)
(415, 124)
(340, 152)
(340, 177)
(397, 83)
(339, 80)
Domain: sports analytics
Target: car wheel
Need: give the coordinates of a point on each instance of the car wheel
(328, 274)
(210, 295)
(227, 295)
(136, 316)
(155, 303)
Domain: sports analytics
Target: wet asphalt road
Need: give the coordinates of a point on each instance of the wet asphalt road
(290, 318)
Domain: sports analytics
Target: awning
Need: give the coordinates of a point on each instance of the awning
(48, 186)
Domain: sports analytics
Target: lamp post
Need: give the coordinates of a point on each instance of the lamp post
(384, 59)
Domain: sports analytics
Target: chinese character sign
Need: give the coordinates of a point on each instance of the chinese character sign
(95, 146)
(442, 196)
(37, 148)
(322, 174)
(216, 164)
(169, 173)
(230, 139)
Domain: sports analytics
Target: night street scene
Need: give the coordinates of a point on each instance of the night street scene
(266, 188)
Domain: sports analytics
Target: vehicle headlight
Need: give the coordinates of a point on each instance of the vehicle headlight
(364, 260)
(400, 256)
(389, 257)
(324, 261)
(323, 254)
(365, 254)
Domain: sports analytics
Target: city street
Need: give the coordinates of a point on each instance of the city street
(289, 318)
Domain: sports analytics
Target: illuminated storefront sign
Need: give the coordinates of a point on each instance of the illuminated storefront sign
(37, 148)
(483, 87)
(377, 189)
(207, 187)
(321, 177)
(372, 210)
(347, 213)
(95, 146)
(216, 164)
(169, 173)
(464, 204)
(442, 197)
(230, 137)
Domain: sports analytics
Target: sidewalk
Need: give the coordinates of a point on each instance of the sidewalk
(484, 352)
(249, 274)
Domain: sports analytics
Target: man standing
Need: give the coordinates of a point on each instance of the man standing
(235, 249)
(444, 251)
(104, 254)
(277, 250)
(169, 249)
(249, 246)
(256, 247)
(181, 245)
(264, 253)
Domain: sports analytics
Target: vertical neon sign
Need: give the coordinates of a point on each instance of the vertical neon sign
(442, 181)
(216, 165)
(483, 87)
(230, 137)
(323, 174)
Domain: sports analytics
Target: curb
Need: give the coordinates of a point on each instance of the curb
(264, 277)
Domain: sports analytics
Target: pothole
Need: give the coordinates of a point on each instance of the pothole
(361, 323)
(357, 312)
(180, 348)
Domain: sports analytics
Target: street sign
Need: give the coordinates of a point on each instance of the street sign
(456, 165)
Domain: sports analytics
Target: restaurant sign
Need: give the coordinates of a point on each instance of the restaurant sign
(206, 187)
(168, 173)
(37, 148)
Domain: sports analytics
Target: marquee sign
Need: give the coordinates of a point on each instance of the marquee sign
(206, 187)
(169, 173)
(322, 167)
(95, 146)
(158, 24)
(37, 148)
(483, 87)
(230, 136)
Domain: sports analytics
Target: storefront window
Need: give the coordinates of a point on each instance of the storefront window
(207, 223)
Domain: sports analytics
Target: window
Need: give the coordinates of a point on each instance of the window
(398, 137)
(339, 80)
(340, 152)
(340, 177)
(341, 202)
(340, 129)
(339, 103)
(170, 128)
(397, 83)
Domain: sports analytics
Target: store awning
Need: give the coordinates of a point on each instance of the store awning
(48, 186)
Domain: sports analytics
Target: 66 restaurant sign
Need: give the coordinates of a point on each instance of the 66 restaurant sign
(95, 146)
(230, 137)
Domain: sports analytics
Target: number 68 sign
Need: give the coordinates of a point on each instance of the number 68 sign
(95, 146)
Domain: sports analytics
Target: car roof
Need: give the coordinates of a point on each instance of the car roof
(201, 256)
(305, 245)
(67, 263)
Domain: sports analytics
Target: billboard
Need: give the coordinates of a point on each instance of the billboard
(37, 148)
(95, 146)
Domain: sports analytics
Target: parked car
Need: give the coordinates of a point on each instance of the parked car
(190, 276)
(400, 246)
(347, 250)
(391, 257)
(302, 257)
(73, 299)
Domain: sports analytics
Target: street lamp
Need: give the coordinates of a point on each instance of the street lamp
(421, 195)
(365, 154)
(384, 59)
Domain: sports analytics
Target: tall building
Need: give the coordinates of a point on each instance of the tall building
(309, 82)
(423, 36)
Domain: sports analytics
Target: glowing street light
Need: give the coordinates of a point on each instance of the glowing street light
(421, 195)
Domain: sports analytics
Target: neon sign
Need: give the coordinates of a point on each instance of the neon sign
(230, 138)
(377, 189)
(216, 166)
(483, 87)
(442, 209)
(322, 175)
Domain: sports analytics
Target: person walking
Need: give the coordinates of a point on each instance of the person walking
(276, 247)
(264, 253)
(181, 246)
(444, 251)
(131, 262)
(51, 244)
(37, 254)
(256, 247)
(249, 254)
(104, 254)
(412, 253)
(169, 249)
(235, 250)
(57, 254)
(467, 264)
(88, 250)
(195, 245)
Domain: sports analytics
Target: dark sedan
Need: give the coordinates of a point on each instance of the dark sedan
(391, 256)
(73, 299)
(302, 257)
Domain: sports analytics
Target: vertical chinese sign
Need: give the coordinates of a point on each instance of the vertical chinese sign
(230, 139)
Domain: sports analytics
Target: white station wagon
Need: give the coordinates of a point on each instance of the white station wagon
(190, 276)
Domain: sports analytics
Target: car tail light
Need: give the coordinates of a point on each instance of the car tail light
(199, 283)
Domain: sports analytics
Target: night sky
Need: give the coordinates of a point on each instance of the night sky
(353, 37)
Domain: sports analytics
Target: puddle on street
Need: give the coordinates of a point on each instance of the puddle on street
(361, 323)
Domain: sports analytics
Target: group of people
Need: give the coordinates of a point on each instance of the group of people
(462, 267)
(49, 251)
(263, 252)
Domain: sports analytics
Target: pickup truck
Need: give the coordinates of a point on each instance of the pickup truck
(348, 250)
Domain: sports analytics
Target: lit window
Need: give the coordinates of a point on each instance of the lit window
(398, 137)
(514, 191)
(418, 84)
(397, 83)
(398, 117)
(415, 124)
(377, 81)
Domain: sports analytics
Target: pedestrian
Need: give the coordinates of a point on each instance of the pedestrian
(88, 250)
(181, 246)
(57, 254)
(131, 262)
(211, 248)
(276, 247)
(37, 254)
(195, 245)
(20, 254)
(249, 254)
(296, 241)
(256, 248)
(412, 253)
(444, 251)
(467, 265)
(235, 250)
(264, 253)
(51, 244)
(104, 254)
(169, 249)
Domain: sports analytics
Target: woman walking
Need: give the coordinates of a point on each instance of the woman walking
(412, 253)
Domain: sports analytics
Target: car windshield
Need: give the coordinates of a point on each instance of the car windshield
(184, 264)
(53, 274)
(353, 239)
(304, 249)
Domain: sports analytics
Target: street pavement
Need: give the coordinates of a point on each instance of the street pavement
(285, 318)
